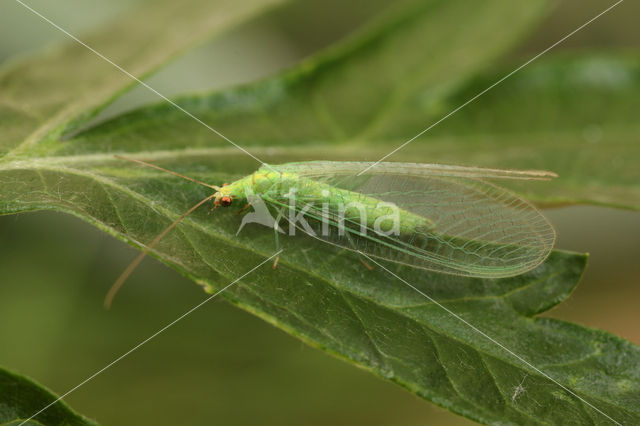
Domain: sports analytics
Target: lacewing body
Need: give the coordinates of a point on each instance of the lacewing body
(443, 218)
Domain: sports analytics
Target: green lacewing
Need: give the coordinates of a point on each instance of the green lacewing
(442, 218)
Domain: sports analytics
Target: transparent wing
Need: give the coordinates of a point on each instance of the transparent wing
(350, 168)
(453, 223)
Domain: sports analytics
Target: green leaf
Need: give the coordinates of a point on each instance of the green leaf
(42, 97)
(340, 97)
(537, 119)
(334, 106)
(20, 398)
(574, 114)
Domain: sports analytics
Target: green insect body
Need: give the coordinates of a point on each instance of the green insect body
(443, 218)
(275, 187)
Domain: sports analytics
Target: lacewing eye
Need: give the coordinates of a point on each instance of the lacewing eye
(225, 201)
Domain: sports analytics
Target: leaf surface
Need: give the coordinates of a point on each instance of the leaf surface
(20, 398)
(45, 96)
(573, 113)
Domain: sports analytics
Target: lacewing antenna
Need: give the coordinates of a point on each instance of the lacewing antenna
(134, 264)
(144, 163)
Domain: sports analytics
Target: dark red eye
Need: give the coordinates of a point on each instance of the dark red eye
(225, 201)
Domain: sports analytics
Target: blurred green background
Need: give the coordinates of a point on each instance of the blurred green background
(220, 365)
